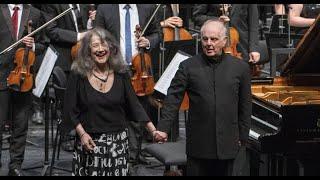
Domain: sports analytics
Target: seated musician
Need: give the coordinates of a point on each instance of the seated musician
(302, 16)
(219, 89)
(13, 102)
(123, 27)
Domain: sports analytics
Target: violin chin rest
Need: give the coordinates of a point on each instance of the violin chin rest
(14, 87)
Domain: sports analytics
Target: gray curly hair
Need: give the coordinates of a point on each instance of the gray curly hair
(84, 63)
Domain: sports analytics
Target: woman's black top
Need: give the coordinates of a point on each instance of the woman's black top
(101, 112)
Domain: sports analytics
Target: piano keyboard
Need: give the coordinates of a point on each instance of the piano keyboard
(254, 134)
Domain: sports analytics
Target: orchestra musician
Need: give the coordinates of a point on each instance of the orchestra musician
(120, 20)
(65, 32)
(99, 102)
(14, 18)
(302, 16)
(219, 90)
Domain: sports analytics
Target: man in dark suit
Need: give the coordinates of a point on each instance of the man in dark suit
(113, 18)
(219, 89)
(65, 32)
(14, 18)
(243, 17)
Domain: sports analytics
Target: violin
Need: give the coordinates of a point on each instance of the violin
(21, 78)
(232, 34)
(142, 80)
(74, 51)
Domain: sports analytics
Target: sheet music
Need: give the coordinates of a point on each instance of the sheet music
(45, 70)
(164, 82)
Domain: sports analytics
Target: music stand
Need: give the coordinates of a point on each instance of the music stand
(44, 82)
(46, 163)
(279, 24)
(172, 47)
(279, 49)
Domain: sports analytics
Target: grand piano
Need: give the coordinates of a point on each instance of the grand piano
(284, 137)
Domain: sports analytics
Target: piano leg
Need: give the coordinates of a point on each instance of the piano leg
(301, 168)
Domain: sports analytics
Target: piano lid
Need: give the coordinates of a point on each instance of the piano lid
(306, 57)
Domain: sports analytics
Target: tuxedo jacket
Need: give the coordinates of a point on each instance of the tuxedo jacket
(62, 32)
(220, 105)
(7, 37)
(243, 17)
(108, 17)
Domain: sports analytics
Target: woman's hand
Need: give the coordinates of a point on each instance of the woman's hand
(87, 142)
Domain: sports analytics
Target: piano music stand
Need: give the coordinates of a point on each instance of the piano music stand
(172, 47)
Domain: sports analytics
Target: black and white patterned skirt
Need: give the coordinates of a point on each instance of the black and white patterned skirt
(110, 156)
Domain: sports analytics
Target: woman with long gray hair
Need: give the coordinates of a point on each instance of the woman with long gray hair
(99, 100)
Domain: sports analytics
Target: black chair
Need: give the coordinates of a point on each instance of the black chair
(171, 154)
(59, 86)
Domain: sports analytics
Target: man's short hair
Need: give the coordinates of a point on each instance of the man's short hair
(219, 24)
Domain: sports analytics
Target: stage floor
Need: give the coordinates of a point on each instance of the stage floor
(35, 156)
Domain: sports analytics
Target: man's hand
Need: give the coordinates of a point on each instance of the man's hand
(143, 42)
(224, 19)
(254, 57)
(92, 15)
(28, 41)
(172, 22)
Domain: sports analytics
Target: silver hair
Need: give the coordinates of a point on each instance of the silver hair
(218, 24)
(84, 63)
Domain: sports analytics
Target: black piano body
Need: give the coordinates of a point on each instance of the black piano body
(286, 114)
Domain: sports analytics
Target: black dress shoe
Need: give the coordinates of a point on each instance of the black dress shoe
(15, 172)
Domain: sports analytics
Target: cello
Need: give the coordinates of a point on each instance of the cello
(21, 78)
(142, 80)
(233, 40)
(177, 34)
(232, 34)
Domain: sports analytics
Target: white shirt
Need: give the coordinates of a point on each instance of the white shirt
(11, 6)
(134, 20)
(74, 16)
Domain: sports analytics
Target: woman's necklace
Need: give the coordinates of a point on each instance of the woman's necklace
(102, 80)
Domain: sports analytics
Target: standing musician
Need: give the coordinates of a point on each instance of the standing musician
(67, 30)
(14, 18)
(120, 20)
(244, 18)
